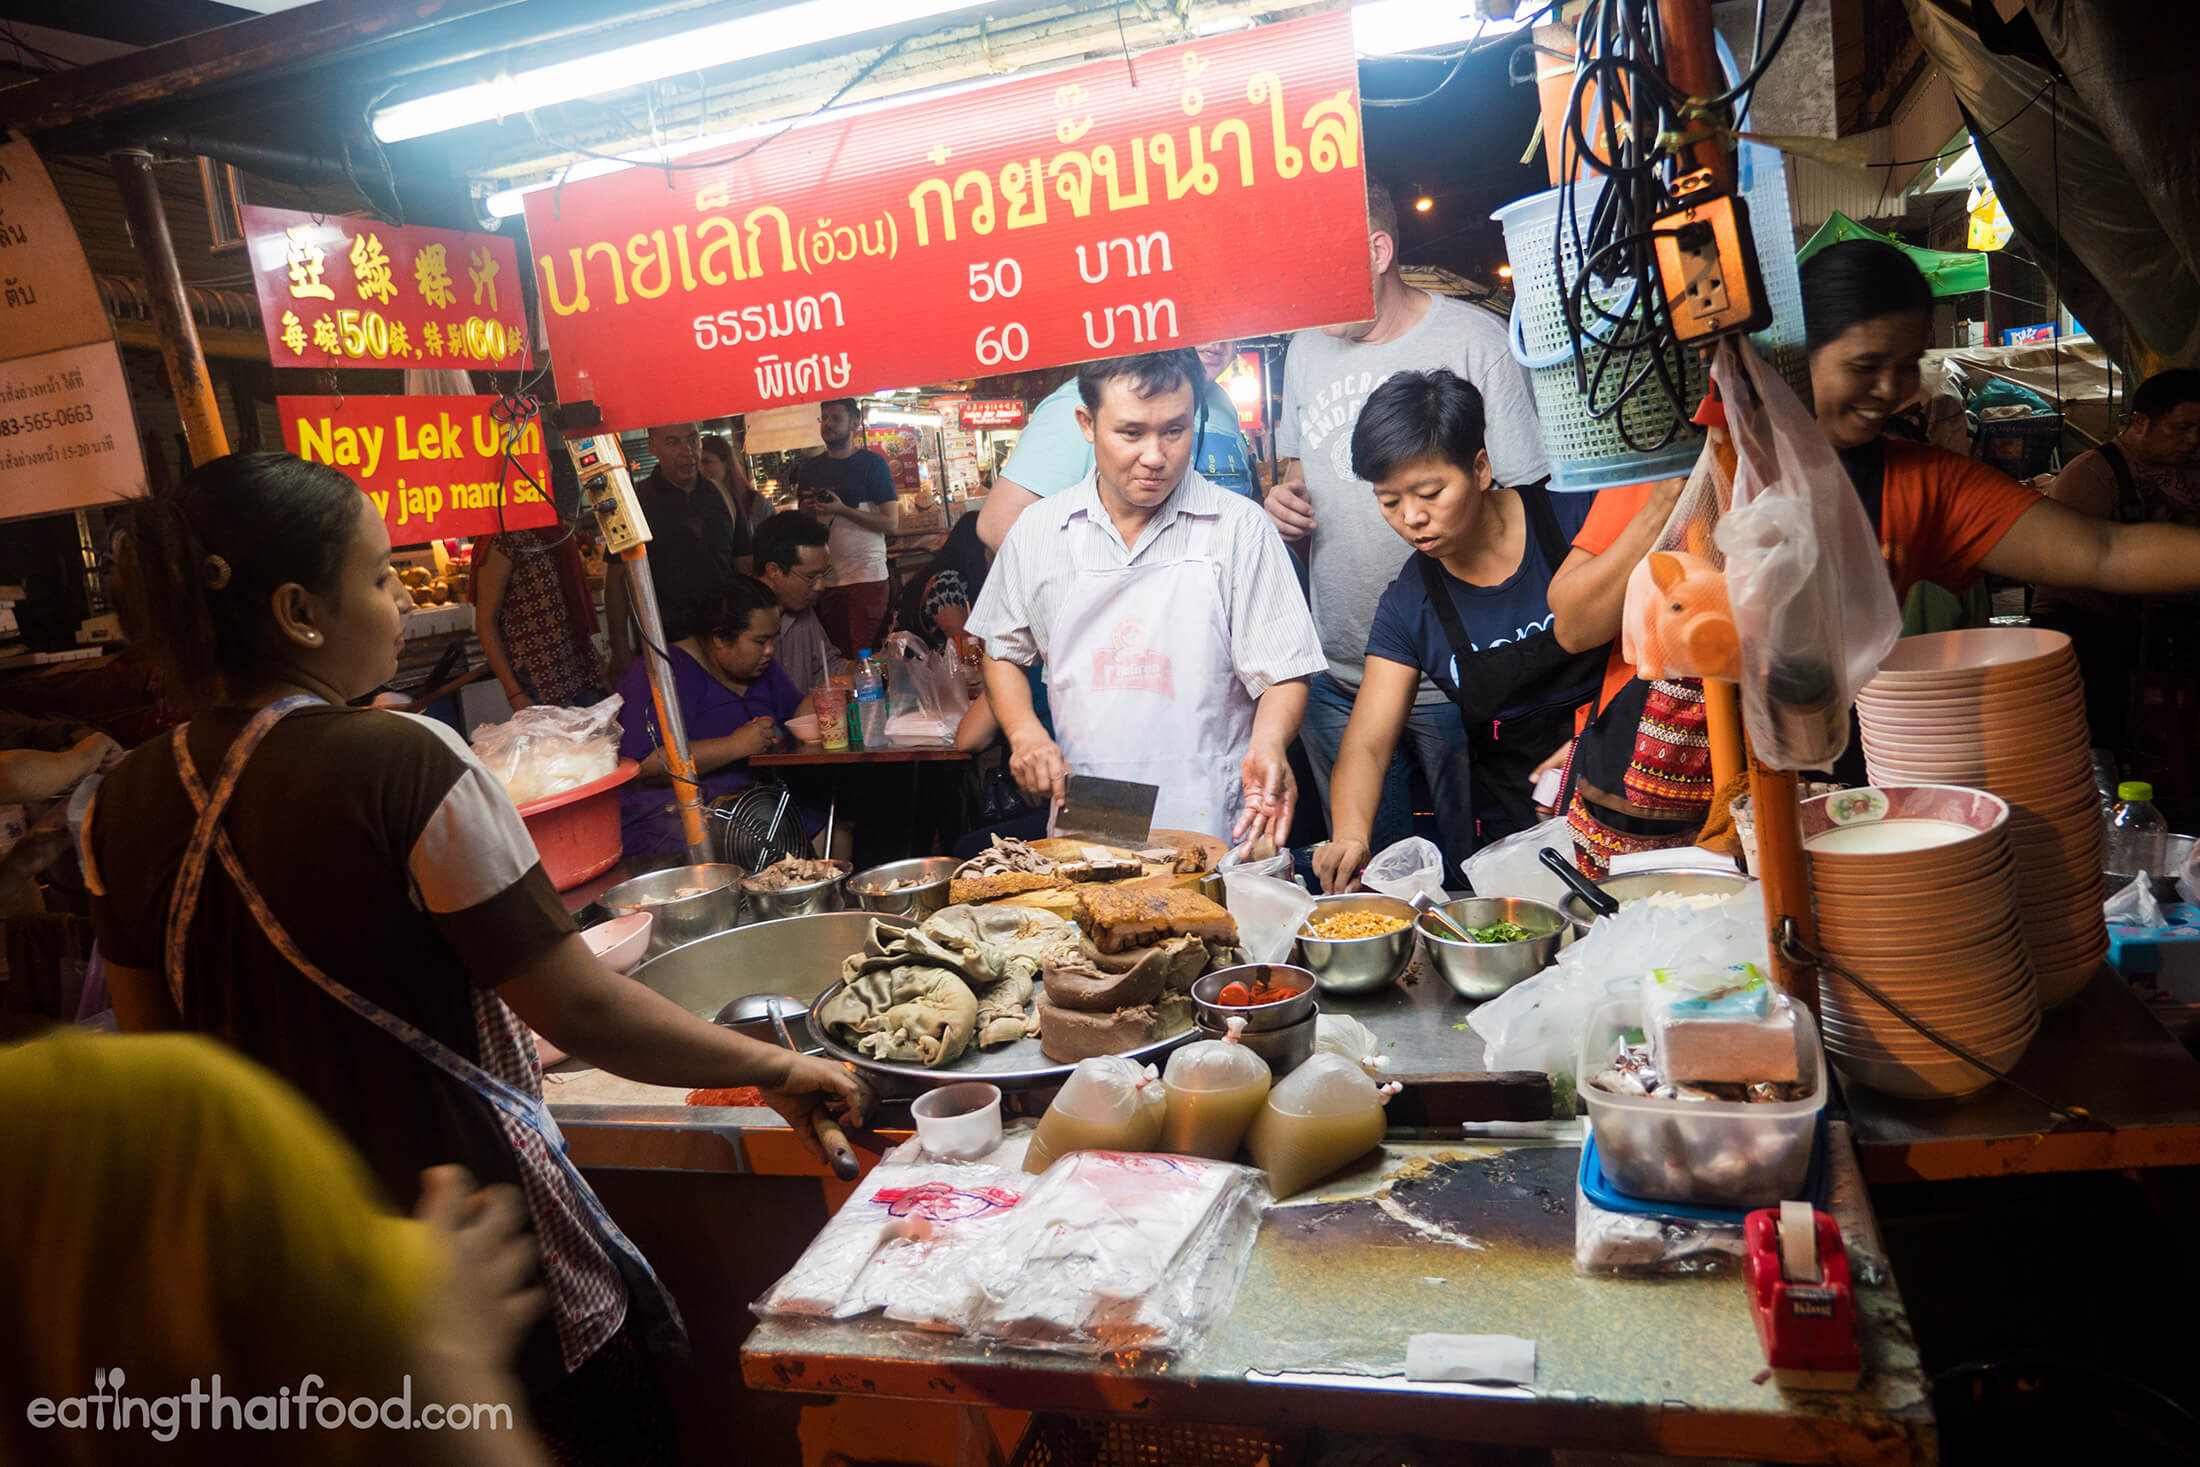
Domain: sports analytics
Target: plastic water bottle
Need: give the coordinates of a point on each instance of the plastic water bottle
(2136, 830)
(867, 721)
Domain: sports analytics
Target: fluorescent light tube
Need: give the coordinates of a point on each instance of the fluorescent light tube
(760, 33)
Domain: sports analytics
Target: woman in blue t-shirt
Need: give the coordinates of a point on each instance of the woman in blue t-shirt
(1468, 611)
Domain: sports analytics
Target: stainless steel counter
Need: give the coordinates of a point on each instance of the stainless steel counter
(612, 1122)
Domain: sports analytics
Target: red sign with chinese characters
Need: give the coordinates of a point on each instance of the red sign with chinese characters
(338, 292)
(434, 466)
(1054, 219)
(993, 412)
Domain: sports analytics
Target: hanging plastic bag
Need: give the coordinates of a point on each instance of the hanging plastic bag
(1404, 870)
(546, 750)
(1808, 585)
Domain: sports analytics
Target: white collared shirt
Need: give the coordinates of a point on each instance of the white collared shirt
(1053, 541)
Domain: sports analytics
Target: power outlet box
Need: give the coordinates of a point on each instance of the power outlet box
(1707, 266)
(609, 490)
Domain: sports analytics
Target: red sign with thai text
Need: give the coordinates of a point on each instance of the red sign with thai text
(434, 466)
(1055, 219)
(338, 292)
(993, 412)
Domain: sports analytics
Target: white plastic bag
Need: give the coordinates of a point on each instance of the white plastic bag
(2188, 875)
(1536, 1025)
(1345, 1035)
(1269, 914)
(546, 750)
(1112, 1251)
(1511, 868)
(2134, 904)
(1404, 870)
(926, 693)
(1804, 573)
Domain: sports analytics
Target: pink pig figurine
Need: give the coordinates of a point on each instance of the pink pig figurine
(1678, 622)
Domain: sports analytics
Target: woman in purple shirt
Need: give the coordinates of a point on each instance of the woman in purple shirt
(733, 698)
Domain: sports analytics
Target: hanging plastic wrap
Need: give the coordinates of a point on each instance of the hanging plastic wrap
(1804, 574)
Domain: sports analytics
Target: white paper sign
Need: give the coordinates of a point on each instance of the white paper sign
(67, 437)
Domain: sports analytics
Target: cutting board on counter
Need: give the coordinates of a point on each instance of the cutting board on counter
(1065, 848)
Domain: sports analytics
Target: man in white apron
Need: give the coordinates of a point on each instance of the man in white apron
(1176, 641)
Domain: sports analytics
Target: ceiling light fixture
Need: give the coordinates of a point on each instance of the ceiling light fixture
(1423, 204)
(510, 203)
(1392, 27)
(1504, 272)
(745, 37)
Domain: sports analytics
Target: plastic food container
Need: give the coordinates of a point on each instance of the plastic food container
(1726, 1153)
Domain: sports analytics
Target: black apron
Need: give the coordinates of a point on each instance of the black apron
(1504, 752)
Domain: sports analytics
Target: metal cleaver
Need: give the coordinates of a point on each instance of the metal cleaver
(1108, 812)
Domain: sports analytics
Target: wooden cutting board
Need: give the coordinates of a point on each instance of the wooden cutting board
(1062, 848)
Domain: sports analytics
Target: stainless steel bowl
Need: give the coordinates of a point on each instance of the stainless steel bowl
(681, 920)
(1482, 970)
(1638, 884)
(1262, 1016)
(1359, 964)
(920, 901)
(800, 956)
(806, 900)
(1284, 1049)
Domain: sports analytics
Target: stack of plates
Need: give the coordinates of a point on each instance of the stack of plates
(2002, 709)
(1916, 892)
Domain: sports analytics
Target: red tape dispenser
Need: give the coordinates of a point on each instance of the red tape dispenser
(1800, 1296)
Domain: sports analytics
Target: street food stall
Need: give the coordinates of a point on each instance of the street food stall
(1169, 1147)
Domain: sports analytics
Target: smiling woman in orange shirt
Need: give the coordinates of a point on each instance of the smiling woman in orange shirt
(1941, 518)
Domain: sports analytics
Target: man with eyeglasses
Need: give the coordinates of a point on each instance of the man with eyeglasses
(792, 558)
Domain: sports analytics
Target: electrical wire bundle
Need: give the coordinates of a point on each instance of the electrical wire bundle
(1627, 362)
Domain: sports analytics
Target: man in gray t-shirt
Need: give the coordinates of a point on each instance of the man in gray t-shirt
(1331, 517)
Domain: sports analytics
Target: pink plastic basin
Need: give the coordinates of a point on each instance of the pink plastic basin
(577, 833)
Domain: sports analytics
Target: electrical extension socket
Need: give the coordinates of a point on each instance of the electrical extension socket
(1707, 266)
(609, 490)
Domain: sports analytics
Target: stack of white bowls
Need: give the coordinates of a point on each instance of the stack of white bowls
(2002, 709)
(1915, 888)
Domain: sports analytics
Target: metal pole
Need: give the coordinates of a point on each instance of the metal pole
(179, 334)
(679, 763)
